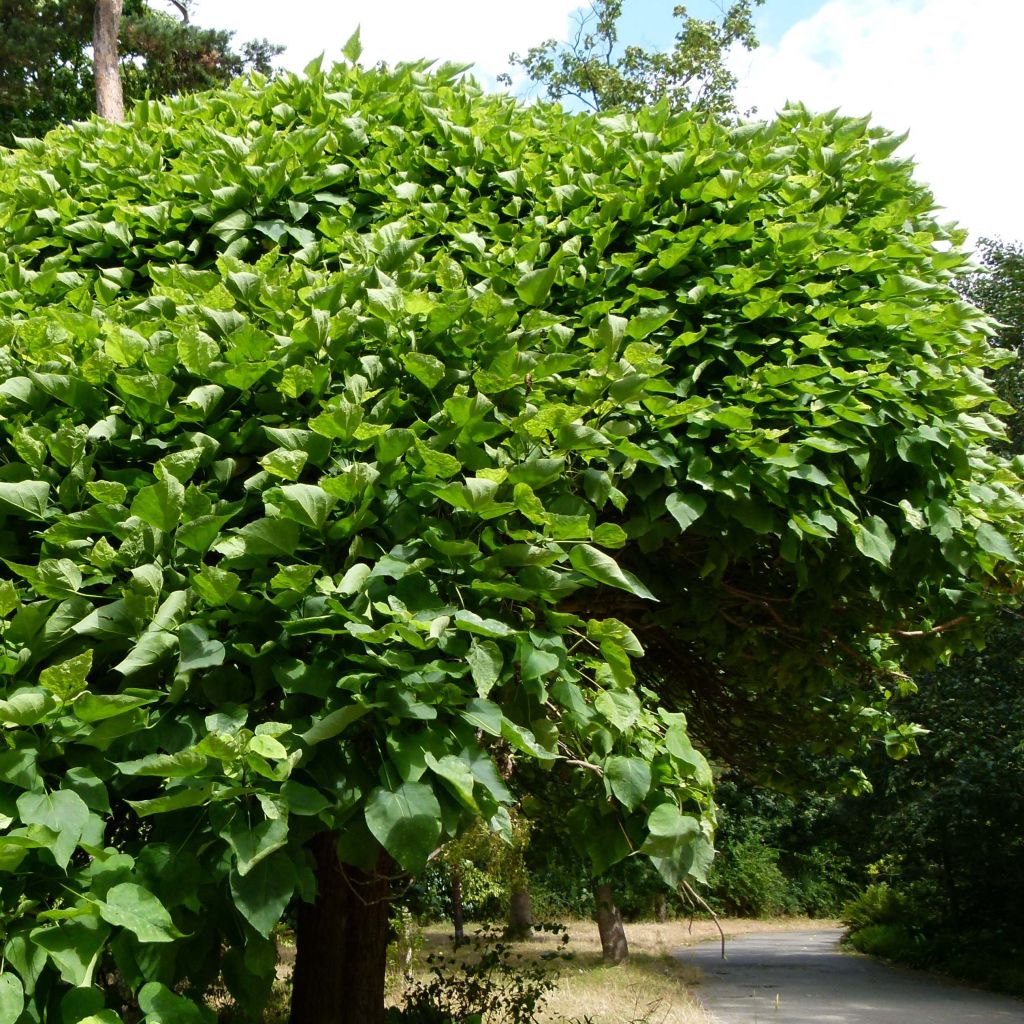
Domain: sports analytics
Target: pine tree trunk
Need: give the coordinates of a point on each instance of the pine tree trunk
(342, 942)
(614, 949)
(520, 915)
(106, 27)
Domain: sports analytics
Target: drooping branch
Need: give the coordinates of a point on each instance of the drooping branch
(182, 9)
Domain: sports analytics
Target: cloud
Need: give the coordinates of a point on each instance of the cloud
(480, 32)
(945, 70)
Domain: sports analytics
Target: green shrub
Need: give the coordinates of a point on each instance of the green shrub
(876, 905)
(747, 881)
(892, 941)
(488, 982)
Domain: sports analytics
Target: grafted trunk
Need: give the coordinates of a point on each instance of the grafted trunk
(342, 942)
(106, 27)
(614, 949)
(520, 915)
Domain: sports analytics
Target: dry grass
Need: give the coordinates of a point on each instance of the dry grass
(653, 986)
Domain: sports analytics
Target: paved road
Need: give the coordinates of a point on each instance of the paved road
(804, 978)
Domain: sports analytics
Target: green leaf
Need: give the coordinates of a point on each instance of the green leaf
(334, 723)
(307, 504)
(484, 715)
(252, 844)
(215, 586)
(131, 906)
(198, 651)
(284, 463)
(182, 765)
(28, 498)
(97, 707)
(669, 830)
(686, 509)
(160, 505)
(619, 708)
(160, 638)
(427, 369)
(485, 663)
(67, 679)
(874, 539)
(456, 774)
(74, 947)
(601, 567)
(25, 708)
(12, 998)
(162, 1006)
(262, 894)
(406, 822)
(991, 540)
(630, 780)
(535, 285)
(353, 48)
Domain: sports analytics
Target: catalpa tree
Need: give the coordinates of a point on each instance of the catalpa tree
(364, 435)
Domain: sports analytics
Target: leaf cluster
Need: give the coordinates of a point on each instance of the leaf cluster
(366, 439)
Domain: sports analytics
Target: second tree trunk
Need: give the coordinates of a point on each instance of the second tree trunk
(342, 942)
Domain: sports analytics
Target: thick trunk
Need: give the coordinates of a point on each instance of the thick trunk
(520, 915)
(342, 942)
(614, 949)
(456, 895)
(106, 27)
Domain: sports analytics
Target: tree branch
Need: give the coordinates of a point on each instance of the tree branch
(934, 631)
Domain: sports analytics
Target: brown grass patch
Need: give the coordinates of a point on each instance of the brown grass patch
(653, 986)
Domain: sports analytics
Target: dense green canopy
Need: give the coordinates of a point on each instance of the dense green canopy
(361, 430)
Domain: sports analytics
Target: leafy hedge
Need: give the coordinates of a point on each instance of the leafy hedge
(350, 426)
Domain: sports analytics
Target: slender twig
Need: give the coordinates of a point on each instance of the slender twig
(694, 895)
(941, 628)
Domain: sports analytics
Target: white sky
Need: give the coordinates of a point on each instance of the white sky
(947, 70)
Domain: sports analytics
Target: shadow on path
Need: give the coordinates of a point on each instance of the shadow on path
(804, 978)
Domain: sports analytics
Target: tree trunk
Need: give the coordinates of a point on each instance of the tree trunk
(520, 915)
(342, 942)
(456, 896)
(106, 27)
(661, 908)
(614, 949)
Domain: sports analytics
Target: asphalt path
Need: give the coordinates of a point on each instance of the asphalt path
(804, 978)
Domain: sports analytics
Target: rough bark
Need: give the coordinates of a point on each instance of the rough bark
(614, 949)
(106, 27)
(342, 942)
(520, 915)
(457, 916)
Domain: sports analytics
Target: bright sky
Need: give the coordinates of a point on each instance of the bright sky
(944, 69)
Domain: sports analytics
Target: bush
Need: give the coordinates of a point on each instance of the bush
(488, 983)
(876, 905)
(747, 881)
(894, 942)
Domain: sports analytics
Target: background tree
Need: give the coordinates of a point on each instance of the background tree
(105, 33)
(944, 830)
(998, 288)
(46, 68)
(595, 70)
